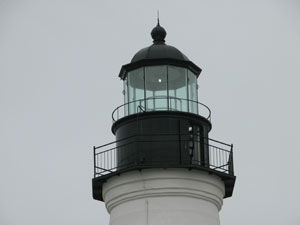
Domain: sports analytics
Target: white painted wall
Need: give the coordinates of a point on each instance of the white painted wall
(163, 197)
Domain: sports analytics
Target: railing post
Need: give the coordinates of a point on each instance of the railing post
(230, 161)
(94, 161)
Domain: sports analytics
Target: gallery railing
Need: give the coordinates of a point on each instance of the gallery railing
(161, 103)
(218, 160)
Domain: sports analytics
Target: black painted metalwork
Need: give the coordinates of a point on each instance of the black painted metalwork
(158, 34)
(159, 53)
(141, 106)
(106, 156)
(107, 161)
(163, 60)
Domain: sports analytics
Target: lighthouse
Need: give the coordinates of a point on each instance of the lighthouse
(163, 167)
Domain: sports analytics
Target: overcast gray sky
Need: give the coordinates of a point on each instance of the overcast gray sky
(59, 65)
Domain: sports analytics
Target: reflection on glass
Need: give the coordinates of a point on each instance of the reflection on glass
(156, 88)
(177, 83)
(193, 94)
(125, 93)
(136, 91)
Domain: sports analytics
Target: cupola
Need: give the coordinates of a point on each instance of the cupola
(160, 78)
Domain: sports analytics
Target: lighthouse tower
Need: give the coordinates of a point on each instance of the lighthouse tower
(163, 168)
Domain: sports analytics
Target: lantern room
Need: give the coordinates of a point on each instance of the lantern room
(160, 78)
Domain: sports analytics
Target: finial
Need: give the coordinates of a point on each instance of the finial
(158, 33)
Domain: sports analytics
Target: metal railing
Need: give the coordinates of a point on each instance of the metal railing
(161, 103)
(219, 157)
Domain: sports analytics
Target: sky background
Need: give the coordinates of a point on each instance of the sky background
(59, 65)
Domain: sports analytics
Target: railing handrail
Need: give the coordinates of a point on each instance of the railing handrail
(114, 142)
(169, 134)
(168, 109)
(223, 165)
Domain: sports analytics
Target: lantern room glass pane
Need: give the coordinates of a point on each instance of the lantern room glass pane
(125, 93)
(177, 84)
(193, 94)
(136, 93)
(156, 88)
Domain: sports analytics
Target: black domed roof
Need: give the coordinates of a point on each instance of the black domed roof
(159, 50)
(159, 53)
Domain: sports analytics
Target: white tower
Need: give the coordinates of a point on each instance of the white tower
(163, 169)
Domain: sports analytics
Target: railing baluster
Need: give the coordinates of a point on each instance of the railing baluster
(115, 161)
(220, 159)
(107, 166)
(220, 156)
(215, 156)
(222, 164)
(231, 171)
(110, 160)
(104, 161)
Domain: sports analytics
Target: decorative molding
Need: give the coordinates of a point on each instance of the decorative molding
(154, 183)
